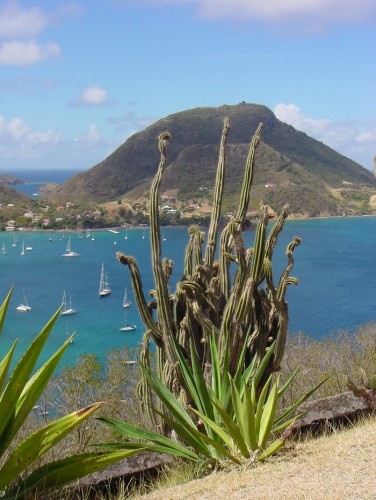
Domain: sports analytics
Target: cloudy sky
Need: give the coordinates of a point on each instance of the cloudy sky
(77, 78)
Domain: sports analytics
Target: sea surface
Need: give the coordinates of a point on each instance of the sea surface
(35, 179)
(335, 265)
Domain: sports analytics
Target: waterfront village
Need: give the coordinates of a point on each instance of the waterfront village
(45, 215)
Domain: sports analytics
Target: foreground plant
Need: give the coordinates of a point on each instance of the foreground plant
(229, 419)
(19, 392)
(244, 308)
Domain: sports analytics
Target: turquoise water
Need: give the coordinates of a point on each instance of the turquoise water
(335, 265)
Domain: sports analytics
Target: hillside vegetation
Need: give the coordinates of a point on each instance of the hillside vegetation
(291, 167)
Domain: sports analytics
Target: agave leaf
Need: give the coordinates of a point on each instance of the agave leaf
(4, 308)
(288, 382)
(188, 434)
(167, 398)
(298, 402)
(272, 449)
(20, 376)
(238, 406)
(38, 443)
(233, 432)
(249, 419)
(33, 389)
(260, 403)
(61, 472)
(268, 416)
(133, 431)
(226, 439)
(130, 445)
(256, 376)
(5, 364)
(205, 406)
(281, 427)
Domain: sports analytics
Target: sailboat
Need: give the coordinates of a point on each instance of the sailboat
(143, 235)
(4, 251)
(104, 289)
(23, 248)
(68, 251)
(163, 238)
(127, 327)
(126, 302)
(126, 235)
(24, 306)
(66, 311)
(14, 240)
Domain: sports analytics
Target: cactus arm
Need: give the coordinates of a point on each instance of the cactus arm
(164, 310)
(217, 201)
(281, 305)
(143, 307)
(248, 177)
(259, 249)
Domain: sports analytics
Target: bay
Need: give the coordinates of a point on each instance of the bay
(335, 265)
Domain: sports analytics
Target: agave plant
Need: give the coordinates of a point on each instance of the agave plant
(244, 307)
(19, 392)
(229, 419)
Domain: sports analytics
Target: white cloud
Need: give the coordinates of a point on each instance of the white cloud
(356, 139)
(19, 53)
(18, 28)
(18, 22)
(22, 146)
(94, 96)
(17, 132)
(314, 15)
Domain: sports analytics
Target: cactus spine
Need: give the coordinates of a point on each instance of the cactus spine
(244, 309)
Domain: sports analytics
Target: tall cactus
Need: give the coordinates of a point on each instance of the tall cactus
(244, 309)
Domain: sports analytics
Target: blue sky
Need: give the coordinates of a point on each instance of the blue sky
(77, 78)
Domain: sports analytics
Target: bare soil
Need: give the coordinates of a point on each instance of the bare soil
(338, 466)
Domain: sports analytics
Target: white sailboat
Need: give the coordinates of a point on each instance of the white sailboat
(126, 302)
(66, 311)
(14, 240)
(104, 289)
(126, 326)
(126, 234)
(24, 306)
(143, 235)
(4, 251)
(68, 251)
(163, 238)
(23, 248)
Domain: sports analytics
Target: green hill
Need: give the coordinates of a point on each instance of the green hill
(291, 167)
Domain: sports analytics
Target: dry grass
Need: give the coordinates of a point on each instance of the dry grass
(336, 467)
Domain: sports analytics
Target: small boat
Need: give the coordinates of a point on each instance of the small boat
(29, 248)
(163, 238)
(3, 250)
(143, 235)
(115, 242)
(126, 326)
(66, 311)
(14, 240)
(113, 231)
(68, 251)
(23, 248)
(104, 289)
(24, 306)
(126, 302)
